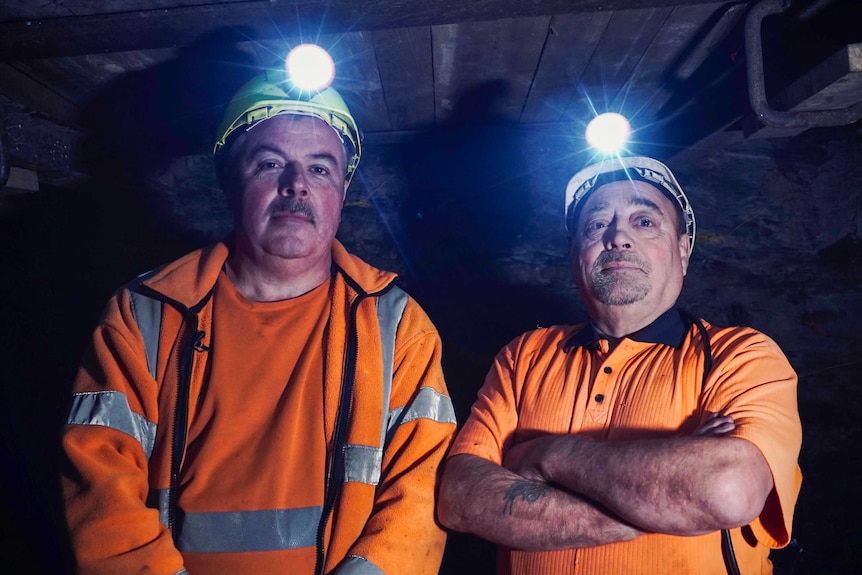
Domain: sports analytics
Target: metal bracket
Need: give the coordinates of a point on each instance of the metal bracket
(756, 85)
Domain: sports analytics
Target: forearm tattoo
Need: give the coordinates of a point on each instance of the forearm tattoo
(529, 491)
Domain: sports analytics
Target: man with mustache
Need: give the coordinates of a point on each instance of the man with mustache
(271, 403)
(645, 441)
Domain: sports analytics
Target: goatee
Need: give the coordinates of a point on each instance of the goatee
(620, 286)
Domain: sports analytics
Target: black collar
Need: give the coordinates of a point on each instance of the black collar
(669, 328)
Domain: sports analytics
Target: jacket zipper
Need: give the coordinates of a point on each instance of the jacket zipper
(181, 416)
(335, 481)
(345, 403)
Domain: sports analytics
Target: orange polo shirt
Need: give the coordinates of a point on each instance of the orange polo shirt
(565, 380)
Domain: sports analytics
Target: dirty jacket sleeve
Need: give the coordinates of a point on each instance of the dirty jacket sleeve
(106, 447)
(402, 535)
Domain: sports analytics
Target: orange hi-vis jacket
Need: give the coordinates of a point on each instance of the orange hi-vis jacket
(136, 396)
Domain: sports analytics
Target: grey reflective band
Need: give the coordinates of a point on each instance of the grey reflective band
(390, 309)
(111, 409)
(148, 315)
(356, 565)
(428, 404)
(362, 464)
(244, 531)
(160, 499)
(183, 572)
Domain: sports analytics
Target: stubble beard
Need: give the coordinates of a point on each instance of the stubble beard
(619, 287)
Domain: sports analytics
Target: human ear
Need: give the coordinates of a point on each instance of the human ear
(684, 250)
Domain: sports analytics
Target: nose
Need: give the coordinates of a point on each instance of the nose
(292, 182)
(617, 237)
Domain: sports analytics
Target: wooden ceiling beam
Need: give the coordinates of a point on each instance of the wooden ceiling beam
(120, 30)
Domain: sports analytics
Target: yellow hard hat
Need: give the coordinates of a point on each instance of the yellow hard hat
(271, 94)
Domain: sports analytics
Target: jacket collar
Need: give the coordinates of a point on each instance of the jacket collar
(669, 329)
(191, 278)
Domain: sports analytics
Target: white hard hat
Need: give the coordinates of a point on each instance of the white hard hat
(634, 168)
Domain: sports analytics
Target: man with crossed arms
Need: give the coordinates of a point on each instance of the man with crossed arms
(630, 443)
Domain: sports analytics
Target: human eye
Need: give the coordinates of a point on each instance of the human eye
(645, 222)
(264, 165)
(593, 228)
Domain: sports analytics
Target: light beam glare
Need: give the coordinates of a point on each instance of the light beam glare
(608, 132)
(310, 67)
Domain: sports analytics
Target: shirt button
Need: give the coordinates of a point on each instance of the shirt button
(599, 398)
(608, 370)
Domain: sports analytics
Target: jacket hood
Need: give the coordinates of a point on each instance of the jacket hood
(189, 279)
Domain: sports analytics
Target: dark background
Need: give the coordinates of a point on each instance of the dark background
(485, 254)
(468, 209)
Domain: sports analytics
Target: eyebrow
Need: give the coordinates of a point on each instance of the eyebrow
(325, 156)
(633, 201)
(274, 150)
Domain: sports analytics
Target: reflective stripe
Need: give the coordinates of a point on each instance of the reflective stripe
(111, 409)
(159, 499)
(390, 309)
(428, 404)
(355, 565)
(362, 464)
(148, 316)
(243, 531)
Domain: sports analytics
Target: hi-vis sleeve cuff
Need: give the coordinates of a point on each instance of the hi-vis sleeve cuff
(428, 404)
(363, 462)
(111, 409)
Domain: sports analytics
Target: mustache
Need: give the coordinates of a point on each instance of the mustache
(292, 205)
(618, 256)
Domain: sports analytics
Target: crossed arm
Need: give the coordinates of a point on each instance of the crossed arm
(483, 498)
(562, 491)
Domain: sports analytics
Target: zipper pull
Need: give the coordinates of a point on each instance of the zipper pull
(198, 345)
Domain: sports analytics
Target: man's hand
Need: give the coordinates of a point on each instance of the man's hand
(715, 425)
(528, 458)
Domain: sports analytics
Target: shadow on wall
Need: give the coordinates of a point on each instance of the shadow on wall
(467, 207)
(64, 251)
(150, 135)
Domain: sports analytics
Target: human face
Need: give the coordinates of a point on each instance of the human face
(628, 250)
(292, 183)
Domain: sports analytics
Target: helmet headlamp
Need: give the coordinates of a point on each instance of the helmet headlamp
(631, 168)
(274, 93)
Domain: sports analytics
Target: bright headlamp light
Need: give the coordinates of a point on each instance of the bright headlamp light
(276, 92)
